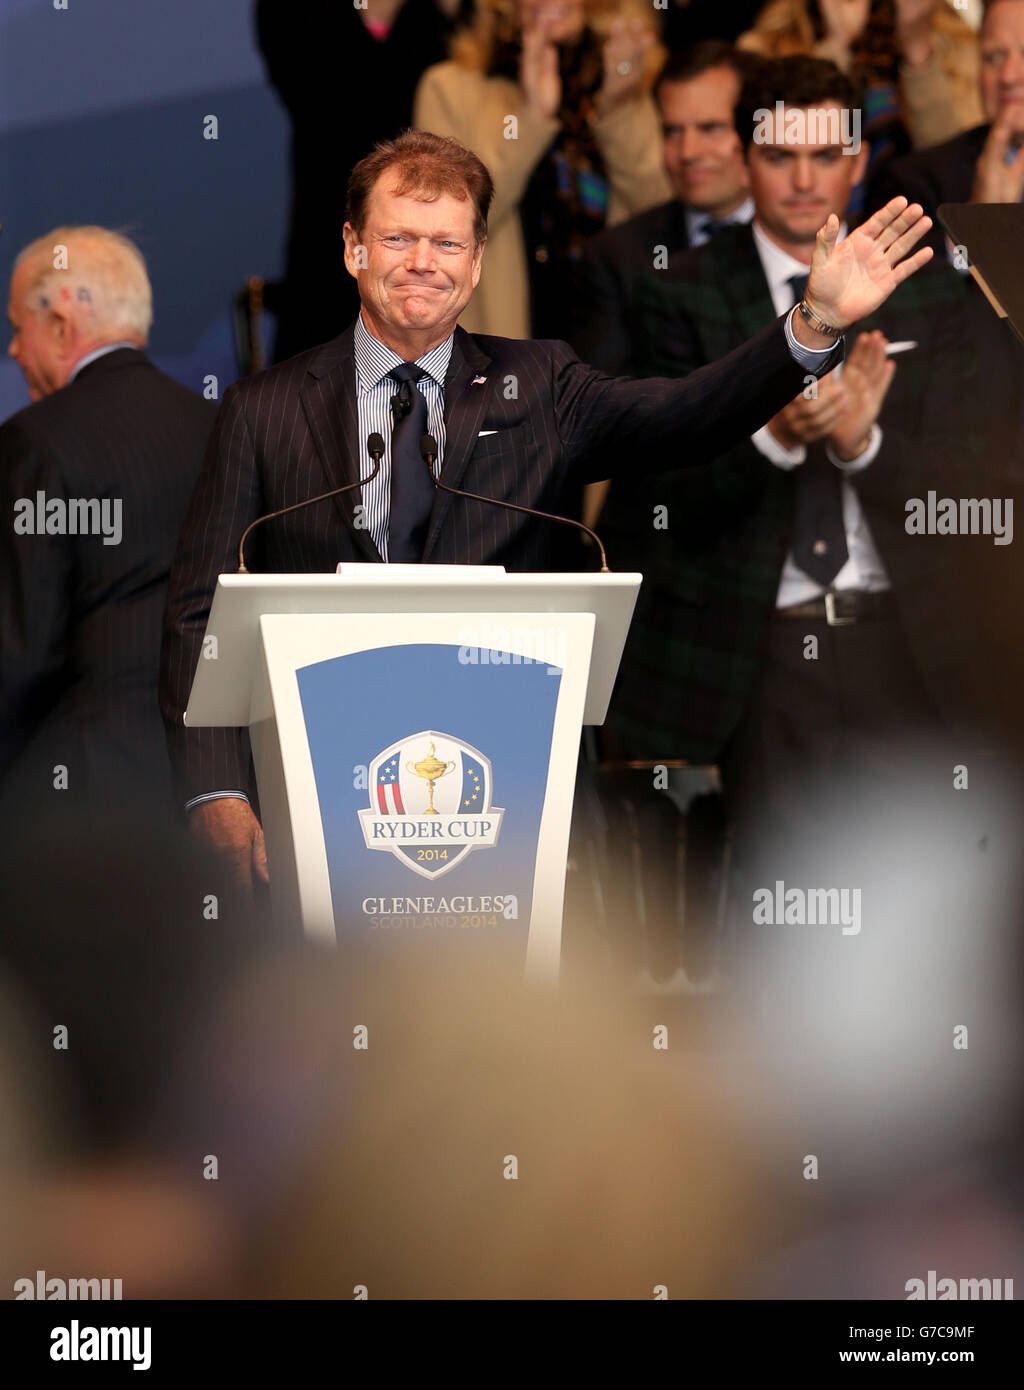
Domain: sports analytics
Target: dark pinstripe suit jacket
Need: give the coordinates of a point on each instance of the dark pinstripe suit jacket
(290, 433)
(80, 621)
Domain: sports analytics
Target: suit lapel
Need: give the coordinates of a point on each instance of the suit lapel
(465, 400)
(328, 397)
(742, 277)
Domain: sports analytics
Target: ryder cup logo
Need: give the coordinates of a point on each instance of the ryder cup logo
(430, 802)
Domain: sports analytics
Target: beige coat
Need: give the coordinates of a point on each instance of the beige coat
(478, 111)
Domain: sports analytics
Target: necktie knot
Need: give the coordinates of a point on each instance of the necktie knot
(402, 402)
(710, 226)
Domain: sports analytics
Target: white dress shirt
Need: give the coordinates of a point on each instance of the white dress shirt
(864, 568)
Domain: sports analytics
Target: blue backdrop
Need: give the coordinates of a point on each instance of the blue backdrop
(101, 120)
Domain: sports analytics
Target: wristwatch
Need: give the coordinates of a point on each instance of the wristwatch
(819, 325)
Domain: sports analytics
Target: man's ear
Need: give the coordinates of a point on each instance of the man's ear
(355, 251)
(62, 330)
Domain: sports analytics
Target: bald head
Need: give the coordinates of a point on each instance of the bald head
(72, 291)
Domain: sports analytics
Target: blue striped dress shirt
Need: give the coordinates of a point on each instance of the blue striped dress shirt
(374, 389)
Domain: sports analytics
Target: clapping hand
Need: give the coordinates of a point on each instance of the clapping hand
(539, 77)
(867, 376)
(995, 179)
(625, 55)
(845, 406)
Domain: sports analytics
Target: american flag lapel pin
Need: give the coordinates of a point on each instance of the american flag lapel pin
(478, 381)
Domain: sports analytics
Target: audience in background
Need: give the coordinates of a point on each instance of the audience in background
(554, 96)
(986, 163)
(347, 74)
(797, 536)
(915, 62)
(695, 94)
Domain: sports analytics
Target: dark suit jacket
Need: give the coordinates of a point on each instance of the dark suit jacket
(80, 620)
(713, 574)
(291, 433)
(603, 280)
(945, 174)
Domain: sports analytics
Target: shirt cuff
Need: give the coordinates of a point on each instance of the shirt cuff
(811, 358)
(215, 796)
(862, 460)
(765, 443)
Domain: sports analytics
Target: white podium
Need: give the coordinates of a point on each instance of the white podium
(415, 732)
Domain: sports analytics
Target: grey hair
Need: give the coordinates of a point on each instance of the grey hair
(105, 277)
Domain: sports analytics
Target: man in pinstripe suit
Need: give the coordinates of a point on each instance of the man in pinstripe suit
(95, 477)
(516, 420)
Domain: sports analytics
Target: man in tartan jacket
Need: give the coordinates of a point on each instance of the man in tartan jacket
(720, 666)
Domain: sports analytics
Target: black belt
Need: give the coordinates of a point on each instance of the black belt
(844, 606)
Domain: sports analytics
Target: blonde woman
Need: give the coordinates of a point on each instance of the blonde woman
(554, 97)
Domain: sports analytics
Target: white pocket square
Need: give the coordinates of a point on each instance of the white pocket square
(483, 432)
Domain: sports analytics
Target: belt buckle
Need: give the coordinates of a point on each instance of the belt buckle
(830, 612)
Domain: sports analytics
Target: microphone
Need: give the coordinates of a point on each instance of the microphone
(374, 447)
(428, 452)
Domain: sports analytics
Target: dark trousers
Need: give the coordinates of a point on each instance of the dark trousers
(836, 755)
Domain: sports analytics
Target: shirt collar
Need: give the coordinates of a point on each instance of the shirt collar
(96, 354)
(780, 266)
(696, 220)
(375, 361)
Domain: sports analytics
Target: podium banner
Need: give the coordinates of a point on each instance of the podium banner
(423, 788)
(431, 772)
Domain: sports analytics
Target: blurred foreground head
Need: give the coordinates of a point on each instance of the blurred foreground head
(491, 1141)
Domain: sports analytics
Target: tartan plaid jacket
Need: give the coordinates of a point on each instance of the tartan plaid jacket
(711, 541)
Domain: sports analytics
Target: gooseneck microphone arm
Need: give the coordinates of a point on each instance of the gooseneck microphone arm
(374, 447)
(428, 452)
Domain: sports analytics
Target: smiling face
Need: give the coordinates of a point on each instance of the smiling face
(421, 266)
(703, 156)
(1002, 62)
(797, 184)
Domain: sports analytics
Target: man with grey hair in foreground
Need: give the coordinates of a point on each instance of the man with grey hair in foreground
(95, 476)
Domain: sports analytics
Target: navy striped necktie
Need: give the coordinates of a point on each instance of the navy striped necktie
(412, 492)
(819, 532)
